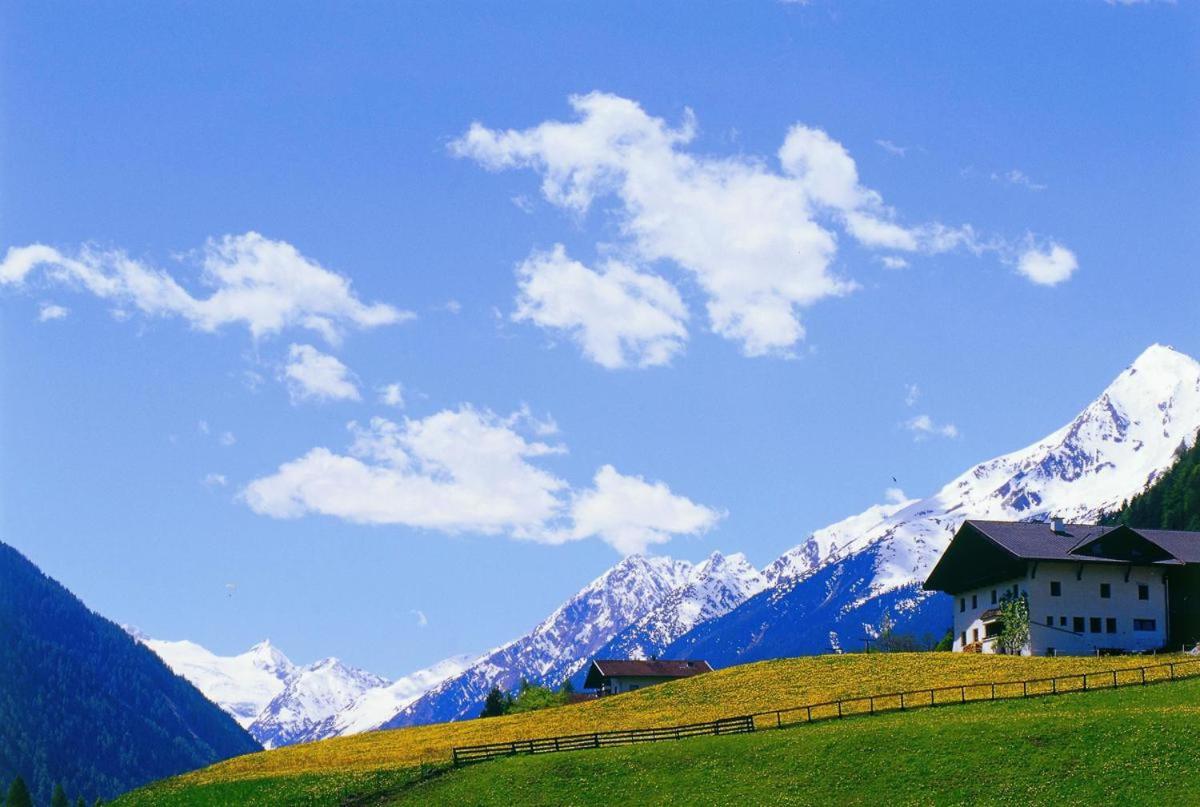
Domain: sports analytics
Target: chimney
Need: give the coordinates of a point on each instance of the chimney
(1057, 525)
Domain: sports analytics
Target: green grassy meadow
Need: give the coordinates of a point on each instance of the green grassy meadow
(1134, 741)
(1127, 746)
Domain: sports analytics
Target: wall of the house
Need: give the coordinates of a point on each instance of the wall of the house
(969, 607)
(1079, 597)
(621, 684)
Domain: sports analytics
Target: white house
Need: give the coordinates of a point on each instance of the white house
(1089, 588)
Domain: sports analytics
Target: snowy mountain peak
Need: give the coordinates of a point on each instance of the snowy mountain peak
(310, 697)
(1113, 449)
(849, 574)
(267, 656)
(561, 644)
(714, 587)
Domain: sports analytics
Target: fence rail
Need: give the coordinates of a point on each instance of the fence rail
(958, 694)
(602, 739)
(845, 707)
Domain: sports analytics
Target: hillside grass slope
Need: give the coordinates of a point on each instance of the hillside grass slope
(331, 771)
(1124, 746)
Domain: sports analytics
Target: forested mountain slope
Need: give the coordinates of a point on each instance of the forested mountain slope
(84, 705)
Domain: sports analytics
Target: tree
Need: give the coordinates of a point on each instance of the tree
(496, 704)
(79, 802)
(567, 687)
(59, 798)
(18, 794)
(1014, 615)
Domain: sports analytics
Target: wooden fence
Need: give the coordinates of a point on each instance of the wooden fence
(973, 693)
(846, 707)
(602, 739)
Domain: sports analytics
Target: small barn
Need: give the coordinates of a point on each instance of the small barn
(614, 676)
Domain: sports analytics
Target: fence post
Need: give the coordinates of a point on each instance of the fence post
(778, 720)
(839, 703)
(993, 692)
(871, 704)
(932, 699)
(1054, 685)
(1143, 676)
(901, 701)
(596, 740)
(1172, 670)
(1024, 689)
(1114, 679)
(964, 694)
(455, 751)
(809, 708)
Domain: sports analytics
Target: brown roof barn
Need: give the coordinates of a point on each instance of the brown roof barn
(613, 676)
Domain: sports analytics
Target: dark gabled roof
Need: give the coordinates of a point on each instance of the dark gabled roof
(1184, 546)
(1037, 540)
(657, 668)
(999, 545)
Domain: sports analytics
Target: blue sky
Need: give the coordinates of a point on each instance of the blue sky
(728, 176)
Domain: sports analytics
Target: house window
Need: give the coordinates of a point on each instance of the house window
(974, 601)
(1095, 624)
(993, 596)
(1050, 621)
(974, 634)
(962, 604)
(1143, 591)
(1144, 624)
(1062, 621)
(1055, 588)
(964, 639)
(1110, 624)
(1050, 651)
(1105, 591)
(1077, 624)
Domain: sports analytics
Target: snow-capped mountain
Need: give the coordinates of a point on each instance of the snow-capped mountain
(311, 696)
(561, 644)
(376, 706)
(714, 587)
(280, 703)
(845, 575)
(242, 685)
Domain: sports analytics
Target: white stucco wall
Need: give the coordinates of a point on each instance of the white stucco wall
(1078, 598)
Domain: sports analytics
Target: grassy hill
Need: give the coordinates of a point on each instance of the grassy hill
(387, 762)
(1126, 746)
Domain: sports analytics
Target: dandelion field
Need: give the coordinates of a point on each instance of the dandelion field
(327, 771)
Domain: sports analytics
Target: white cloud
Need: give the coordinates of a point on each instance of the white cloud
(618, 315)
(1049, 266)
(467, 470)
(262, 284)
(924, 427)
(316, 376)
(50, 311)
(631, 514)
(203, 427)
(759, 242)
(892, 148)
(895, 496)
(422, 620)
(457, 470)
(215, 480)
(392, 395)
(227, 439)
(912, 394)
(1019, 178)
(893, 262)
